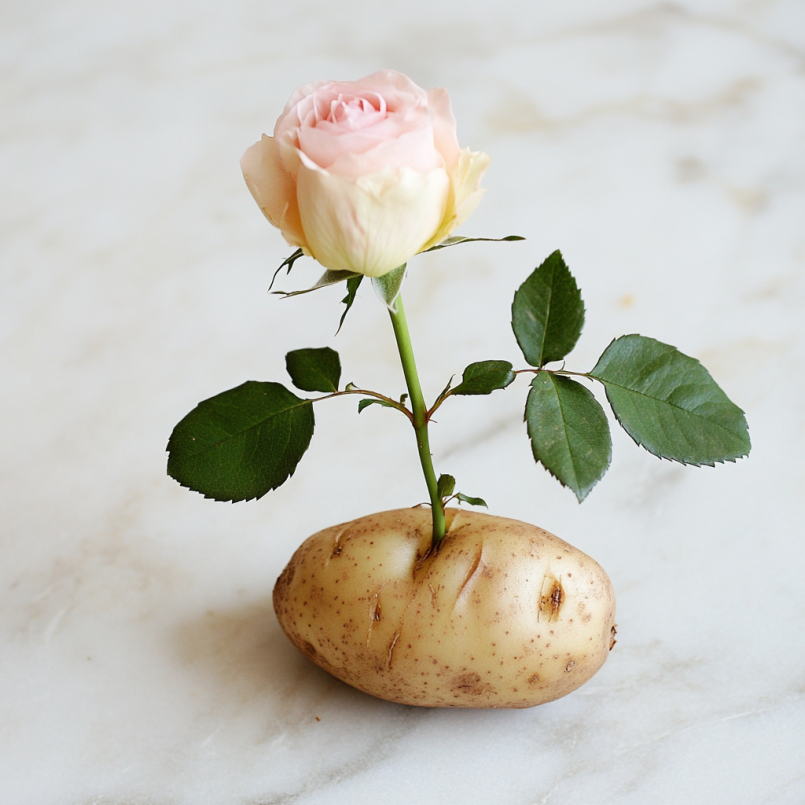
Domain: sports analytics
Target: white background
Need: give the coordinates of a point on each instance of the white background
(659, 145)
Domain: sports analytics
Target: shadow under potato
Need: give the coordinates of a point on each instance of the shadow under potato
(246, 657)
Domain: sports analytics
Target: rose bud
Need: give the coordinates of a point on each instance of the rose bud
(363, 175)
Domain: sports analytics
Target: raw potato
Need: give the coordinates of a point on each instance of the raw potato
(504, 614)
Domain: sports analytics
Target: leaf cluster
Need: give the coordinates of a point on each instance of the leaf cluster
(666, 401)
(242, 443)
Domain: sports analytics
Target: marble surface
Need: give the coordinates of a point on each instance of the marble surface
(659, 145)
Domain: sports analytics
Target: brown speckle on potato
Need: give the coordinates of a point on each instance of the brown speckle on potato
(470, 684)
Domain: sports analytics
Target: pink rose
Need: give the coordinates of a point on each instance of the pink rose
(362, 175)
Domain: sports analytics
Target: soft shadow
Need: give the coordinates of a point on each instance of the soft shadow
(249, 661)
(246, 654)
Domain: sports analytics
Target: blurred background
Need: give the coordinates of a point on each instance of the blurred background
(658, 145)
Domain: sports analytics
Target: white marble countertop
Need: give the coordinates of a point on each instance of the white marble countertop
(659, 145)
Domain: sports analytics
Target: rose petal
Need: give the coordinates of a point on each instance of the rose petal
(384, 79)
(465, 194)
(273, 189)
(444, 126)
(413, 149)
(372, 224)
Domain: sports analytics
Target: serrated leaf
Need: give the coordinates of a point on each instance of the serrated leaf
(485, 377)
(288, 261)
(242, 443)
(388, 286)
(327, 279)
(456, 239)
(472, 501)
(314, 369)
(445, 486)
(669, 404)
(353, 283)
(569, 432)
(366, 403)
(548, 312)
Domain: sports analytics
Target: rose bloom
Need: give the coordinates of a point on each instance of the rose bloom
(362, 175)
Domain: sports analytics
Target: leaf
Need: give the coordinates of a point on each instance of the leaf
(240, 444)
(485, 377)
(445, 486)
(325, 280)
(456, 239)
(569, 432)
(548, 313)
(669, 404)
(353, 283)
(314, 369)
(472, 501)
(388, 286)
(366, 403)
(288, 261)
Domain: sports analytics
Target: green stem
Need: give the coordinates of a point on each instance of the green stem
(420, 420)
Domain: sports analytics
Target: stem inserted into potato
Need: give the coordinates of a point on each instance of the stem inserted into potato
(420, 420)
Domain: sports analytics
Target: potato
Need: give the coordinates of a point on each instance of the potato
(503, 614)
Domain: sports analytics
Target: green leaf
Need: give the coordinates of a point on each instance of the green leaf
(327, 279)
(455, 240)
(240, 444)
(472, 501)
(314, 369)
(388, 286)
(669, 404)
(288, 261)
(353, 283)
(569, 432)
(366, 403)
(445, 486)
(548, 313)
(485, 377)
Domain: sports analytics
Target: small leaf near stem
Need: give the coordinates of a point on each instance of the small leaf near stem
(376, 398)
(462, 498)
(388, 286)
(288, 261)
(445, 486)
(456, 239)
(420, 416)
(327, 279)
(485, 377)
(366, 403)
(353, 283)
(314, 369)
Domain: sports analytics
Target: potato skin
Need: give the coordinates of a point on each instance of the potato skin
(504, 614)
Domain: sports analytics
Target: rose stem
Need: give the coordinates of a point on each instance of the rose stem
(420, 421)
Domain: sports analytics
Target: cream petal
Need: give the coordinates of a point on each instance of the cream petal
(472, 166)
(372, 224)
(273, 189)
(465, 194)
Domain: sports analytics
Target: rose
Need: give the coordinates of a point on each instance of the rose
(363, 175)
